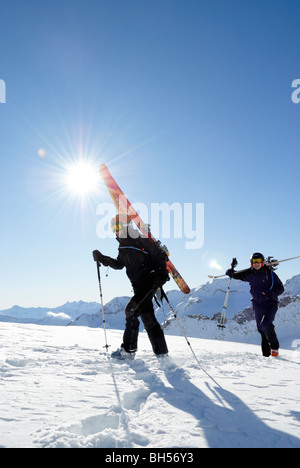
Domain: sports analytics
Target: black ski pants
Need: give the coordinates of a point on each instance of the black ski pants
(265, 315)
(141, 306)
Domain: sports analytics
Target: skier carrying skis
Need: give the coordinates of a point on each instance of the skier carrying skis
(265, 287)
(145, 266)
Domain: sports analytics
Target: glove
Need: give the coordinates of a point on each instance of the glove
(230, 272)
(97, 256)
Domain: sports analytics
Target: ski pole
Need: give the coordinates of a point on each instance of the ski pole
(179, 324)
(223, 314)
(224, 309)
(186, 338)
(106, 346)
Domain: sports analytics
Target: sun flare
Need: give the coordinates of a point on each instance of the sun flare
(215, 264)
(82, 178)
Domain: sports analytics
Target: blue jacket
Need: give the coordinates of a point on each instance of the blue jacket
(265, 286)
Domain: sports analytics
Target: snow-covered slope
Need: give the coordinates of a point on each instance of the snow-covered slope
(198, 313)
(59, 389)
(292, 286)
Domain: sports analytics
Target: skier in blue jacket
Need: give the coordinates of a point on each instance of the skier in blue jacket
(265, 287)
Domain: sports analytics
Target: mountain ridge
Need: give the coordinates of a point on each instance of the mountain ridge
(199, 312)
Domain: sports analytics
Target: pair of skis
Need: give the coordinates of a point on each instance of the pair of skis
(268, 262)
(124, 207)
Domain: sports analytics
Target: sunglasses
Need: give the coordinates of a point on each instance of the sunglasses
(116, 227)
(257, 260)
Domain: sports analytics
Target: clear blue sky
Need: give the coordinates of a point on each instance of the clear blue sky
(186, 101)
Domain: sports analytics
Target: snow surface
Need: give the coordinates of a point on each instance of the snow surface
(59, 389)
(198, 311)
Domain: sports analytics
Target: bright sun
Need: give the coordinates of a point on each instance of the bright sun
(82, 178)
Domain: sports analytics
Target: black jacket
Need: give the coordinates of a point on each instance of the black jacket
(265, 285)
(143, 260)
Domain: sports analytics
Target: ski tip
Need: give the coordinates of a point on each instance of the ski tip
(216, 277)
(103, 167)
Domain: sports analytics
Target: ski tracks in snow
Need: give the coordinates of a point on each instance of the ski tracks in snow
(58, 389)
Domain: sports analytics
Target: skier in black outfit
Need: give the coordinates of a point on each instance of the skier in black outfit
(145, 265)
(265, 287)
